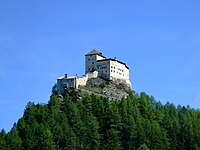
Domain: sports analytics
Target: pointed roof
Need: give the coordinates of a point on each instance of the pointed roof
(94, 52)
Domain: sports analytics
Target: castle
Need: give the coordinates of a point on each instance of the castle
(96, 65)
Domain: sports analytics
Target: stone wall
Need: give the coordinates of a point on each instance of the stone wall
(92, 74)
(81, 81)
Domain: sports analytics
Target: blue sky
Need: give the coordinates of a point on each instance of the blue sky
(159, 40)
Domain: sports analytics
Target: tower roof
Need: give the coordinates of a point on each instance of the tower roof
(93, 52)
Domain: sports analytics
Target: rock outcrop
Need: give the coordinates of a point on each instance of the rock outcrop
(110, 89)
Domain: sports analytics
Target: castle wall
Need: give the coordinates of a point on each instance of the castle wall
(98, 57)
(104, 69)
(91, 62)
(96, 65)
(81, 81)
(92, 74)
(118, 70)
(63, 82)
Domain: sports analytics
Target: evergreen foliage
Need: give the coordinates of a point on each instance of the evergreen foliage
(137, 122)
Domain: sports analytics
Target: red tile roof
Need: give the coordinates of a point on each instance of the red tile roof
(93, 52)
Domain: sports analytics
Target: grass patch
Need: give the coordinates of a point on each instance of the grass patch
(94, 89)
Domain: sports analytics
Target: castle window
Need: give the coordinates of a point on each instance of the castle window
(89, 59)
(92, 62)
(89, 69)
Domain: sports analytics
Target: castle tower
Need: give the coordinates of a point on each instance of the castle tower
(91, 59)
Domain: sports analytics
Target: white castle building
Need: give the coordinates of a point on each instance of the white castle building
(96, 65)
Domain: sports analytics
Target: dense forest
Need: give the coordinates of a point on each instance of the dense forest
(137, 122)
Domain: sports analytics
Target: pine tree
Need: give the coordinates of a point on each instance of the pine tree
(13, 140)
(3, 145)
(44, 138)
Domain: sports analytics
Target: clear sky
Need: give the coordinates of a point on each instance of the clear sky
(39, 39)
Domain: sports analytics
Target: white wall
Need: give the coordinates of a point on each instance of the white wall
(92, 74)
(81, 81)
(119, 70)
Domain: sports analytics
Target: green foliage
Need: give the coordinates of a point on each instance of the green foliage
(103, 84)
(14, 142)
(137, 122)
(143, 147)
(94, 89)
(3, 145)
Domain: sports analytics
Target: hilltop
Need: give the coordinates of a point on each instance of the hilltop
(98, 66)
(113, 90)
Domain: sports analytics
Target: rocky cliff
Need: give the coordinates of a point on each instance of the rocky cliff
(110, 89)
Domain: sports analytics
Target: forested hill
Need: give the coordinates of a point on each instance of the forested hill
(93, 122)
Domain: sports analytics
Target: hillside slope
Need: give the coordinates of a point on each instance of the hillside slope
(96, 123)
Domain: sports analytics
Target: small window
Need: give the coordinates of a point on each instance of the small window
(88, 59)
(92, 62)
(89, 69)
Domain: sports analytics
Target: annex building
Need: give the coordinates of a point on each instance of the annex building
(96, 65)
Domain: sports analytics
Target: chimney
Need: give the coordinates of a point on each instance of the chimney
(115, 58)
(65, 75)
